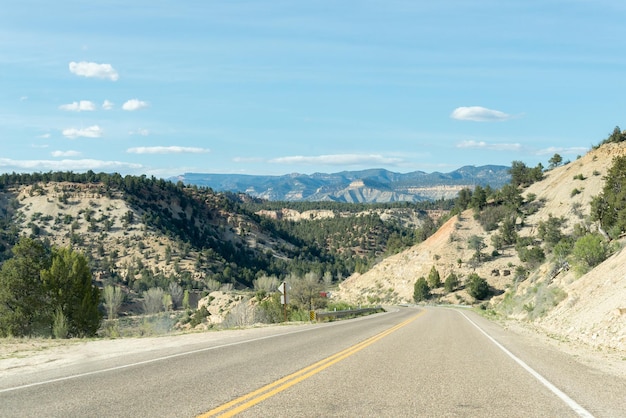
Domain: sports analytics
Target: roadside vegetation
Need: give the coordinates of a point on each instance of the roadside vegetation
(160, 265)
(576, 242)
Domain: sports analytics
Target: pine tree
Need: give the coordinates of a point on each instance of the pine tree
(421, 291)
(434, 280)
(23, 303)
(69, 284)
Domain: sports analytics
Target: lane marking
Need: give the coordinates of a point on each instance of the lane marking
(168, 357)
(580, 411)
(247, 401)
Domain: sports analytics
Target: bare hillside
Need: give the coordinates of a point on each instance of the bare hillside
(590, 309)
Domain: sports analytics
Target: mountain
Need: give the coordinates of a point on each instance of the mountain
(141, 232)
(365, 186)
(553, 294)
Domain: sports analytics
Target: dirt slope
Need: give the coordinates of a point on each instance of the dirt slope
(589, 309)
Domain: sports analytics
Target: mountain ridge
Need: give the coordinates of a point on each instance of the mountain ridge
(378, 185)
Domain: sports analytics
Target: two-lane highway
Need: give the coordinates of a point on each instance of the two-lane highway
(408, 362)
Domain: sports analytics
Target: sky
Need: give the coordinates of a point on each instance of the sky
(163, 88)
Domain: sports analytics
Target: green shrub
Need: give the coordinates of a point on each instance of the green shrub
(477, 287)
(590, 250)
(421, 291)
(198, 316)
(434, 280)
(60, 328)
(451, 282)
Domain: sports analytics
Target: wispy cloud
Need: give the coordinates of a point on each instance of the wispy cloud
(562, 150)
(7, 165)
(141, 132)
(479, 114)
(65, 154)
(90, 132)
(94, 70)
(247, 160)
(83, 105)
(489, 146)
(107, 105)
(338, 159)
(134, 104)
(167, 150)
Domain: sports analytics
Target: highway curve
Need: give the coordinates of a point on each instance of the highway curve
(405, 362)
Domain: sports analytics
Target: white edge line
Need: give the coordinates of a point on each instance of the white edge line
(582, 412)
(171, 356)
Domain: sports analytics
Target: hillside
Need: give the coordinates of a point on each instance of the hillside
(590, 309)
(141, 233)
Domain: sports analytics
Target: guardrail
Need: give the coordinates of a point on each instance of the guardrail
(342, 314)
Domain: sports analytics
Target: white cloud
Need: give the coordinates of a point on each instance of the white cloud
(90, 132)
(562, 150)
(142, 132)
(83, 105)
(338, 159)
(94, 70)
(65, 153)
(167, 150)
(134, 104)
(44, 136)
(489, 146)
(107, 105)
(479, 114)
(8, 165)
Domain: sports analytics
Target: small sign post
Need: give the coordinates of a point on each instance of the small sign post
(284, 299)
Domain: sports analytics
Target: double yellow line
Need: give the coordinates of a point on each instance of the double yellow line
(247, 401)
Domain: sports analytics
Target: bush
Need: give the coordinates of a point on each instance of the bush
(451, 283)
(60, 327)
(198, 316)
(550, 230)
(421, 291)
(491, 216)
(434, 280)
(477, 287)
(273, 310)
(266, 283)
(153, 300)
(610, 206)
(113, 298)
(590, 250)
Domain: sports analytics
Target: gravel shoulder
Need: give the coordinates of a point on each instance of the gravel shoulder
(27, 355)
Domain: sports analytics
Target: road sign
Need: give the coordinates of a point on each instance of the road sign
(284, 299)
(283, 289)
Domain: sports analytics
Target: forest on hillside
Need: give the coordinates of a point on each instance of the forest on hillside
(219, 239)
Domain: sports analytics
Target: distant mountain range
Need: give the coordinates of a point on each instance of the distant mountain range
(365, 186)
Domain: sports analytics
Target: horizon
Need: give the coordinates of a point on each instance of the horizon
(262, 175)
(275, 88)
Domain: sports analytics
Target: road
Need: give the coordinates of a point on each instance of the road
(406, 362)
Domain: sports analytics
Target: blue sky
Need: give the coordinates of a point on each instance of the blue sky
(274, 87)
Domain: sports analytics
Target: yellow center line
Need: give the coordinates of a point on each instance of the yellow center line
(247, 401)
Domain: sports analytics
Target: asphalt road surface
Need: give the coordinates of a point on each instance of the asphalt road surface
(406, 362)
